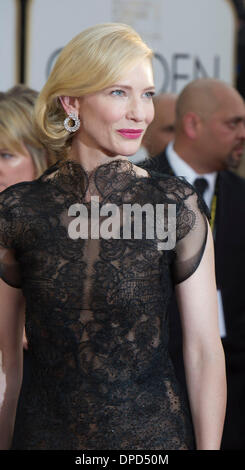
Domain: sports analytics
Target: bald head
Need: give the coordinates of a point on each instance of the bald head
(203, 96)
(210, 125)
(161, 130)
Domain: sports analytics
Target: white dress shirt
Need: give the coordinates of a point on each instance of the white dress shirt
(181, 168)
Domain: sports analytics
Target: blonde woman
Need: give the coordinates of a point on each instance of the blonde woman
(98, 335)
(22, 156)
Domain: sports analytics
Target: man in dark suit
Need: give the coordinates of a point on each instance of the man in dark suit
(209, 142)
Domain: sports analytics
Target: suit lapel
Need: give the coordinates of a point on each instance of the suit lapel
(158, 163)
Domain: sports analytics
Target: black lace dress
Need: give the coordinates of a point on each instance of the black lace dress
(96, 317)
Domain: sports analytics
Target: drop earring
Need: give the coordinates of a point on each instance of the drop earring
(76, 122)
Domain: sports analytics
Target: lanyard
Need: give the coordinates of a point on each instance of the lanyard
(214, 205)
(213, 211)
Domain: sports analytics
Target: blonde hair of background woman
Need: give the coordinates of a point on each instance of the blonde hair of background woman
(93, 60)
(17, 131)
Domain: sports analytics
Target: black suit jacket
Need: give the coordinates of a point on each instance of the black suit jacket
(229, 266)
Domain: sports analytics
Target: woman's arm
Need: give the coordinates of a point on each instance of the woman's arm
(203, 352)
(11, 358)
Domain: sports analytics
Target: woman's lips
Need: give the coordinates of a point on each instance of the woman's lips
(130, 133)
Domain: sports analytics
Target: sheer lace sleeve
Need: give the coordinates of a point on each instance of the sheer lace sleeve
(9, 266)
(191, 233)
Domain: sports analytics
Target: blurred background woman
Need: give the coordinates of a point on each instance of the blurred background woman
(22, 156)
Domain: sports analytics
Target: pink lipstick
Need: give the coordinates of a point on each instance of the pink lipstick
(130, 133)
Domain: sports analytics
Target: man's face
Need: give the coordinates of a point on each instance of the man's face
(162, 129)
(223, 133)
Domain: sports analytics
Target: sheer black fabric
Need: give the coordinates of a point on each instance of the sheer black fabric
(96, 318)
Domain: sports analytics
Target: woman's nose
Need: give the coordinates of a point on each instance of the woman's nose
(136, 110)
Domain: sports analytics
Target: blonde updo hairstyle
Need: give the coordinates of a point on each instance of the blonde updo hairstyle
(17, 133)
(95, 59)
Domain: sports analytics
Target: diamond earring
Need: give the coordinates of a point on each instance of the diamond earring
(67, 123)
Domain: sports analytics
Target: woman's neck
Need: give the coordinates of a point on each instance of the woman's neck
(90, 158)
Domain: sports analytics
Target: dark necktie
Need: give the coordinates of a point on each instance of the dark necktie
(201, 185)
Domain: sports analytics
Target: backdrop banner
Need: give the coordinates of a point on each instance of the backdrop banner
(9, 51)
(190, 38)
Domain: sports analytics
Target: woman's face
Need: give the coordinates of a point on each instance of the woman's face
(114, 120)
(15, 167)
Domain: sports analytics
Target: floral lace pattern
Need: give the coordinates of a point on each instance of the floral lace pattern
(96, 317)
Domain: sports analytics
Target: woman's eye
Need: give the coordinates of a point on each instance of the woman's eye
(149, 94)
(117, 93)
(6, 156)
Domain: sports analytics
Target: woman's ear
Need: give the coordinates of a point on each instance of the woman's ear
(70, 104)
